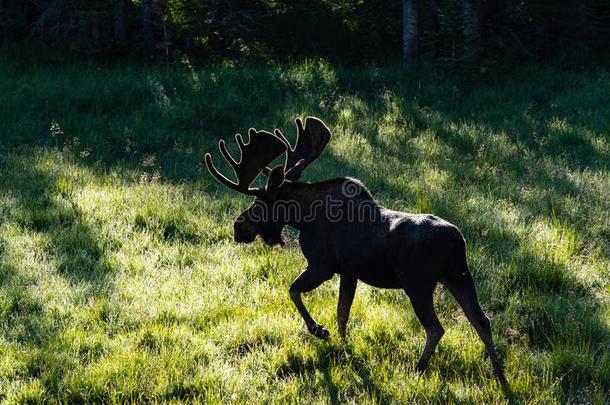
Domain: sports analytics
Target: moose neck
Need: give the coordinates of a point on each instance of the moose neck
(301, 204)
(304, 205)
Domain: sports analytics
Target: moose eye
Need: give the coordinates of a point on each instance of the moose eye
(258, 211)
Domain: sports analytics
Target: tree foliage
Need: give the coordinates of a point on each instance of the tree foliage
(346, 29)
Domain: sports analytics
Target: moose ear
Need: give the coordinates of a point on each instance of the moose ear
(275, 179)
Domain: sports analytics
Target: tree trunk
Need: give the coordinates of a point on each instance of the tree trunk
(4, 21)
(147, 23)
(473, 16)
(436, 27)
(409, 31)
(119, 20)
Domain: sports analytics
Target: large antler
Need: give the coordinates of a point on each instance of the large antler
(312, 138)
(262, 149)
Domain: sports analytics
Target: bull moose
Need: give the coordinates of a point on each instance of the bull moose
(343, 230)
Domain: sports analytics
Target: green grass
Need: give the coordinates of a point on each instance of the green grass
(119, 279)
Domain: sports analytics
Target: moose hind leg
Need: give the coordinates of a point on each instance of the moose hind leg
(307, 281)
(463, 289)
(424, 310)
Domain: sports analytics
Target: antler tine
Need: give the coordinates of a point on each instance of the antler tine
(223, 149)
(240, 143)
(282, 138)
(223, 180)
(300, 128)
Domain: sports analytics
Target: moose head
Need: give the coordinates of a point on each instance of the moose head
(261, 150)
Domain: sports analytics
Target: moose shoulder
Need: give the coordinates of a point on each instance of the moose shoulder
(343, 230)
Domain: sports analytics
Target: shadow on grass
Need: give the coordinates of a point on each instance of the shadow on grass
(331, 356)
(47, 209)
(61, 239)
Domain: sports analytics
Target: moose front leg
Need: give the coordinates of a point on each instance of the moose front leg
(307, 281)
(347, 289)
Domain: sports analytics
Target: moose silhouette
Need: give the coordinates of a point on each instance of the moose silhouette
(343, 230)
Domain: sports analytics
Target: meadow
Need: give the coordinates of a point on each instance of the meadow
(120, 281)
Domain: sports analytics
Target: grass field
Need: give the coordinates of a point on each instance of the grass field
(119, 279)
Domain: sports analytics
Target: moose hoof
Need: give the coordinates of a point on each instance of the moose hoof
(319, 331)
(420, 367)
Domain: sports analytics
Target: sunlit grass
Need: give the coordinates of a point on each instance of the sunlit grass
(119, 279)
